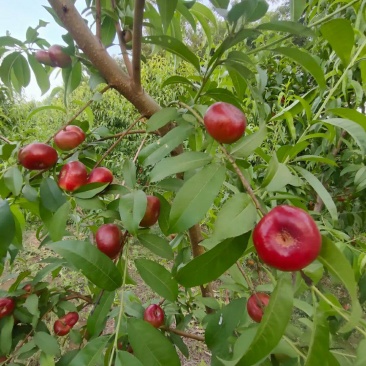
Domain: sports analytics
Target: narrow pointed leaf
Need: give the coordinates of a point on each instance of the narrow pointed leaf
(91, 354)
(161, 118)
(125, 358)
(178, 164)
(95, 265)
(157, 245)
(7, 227)
(52, 197)
(47, 343)
(150, 346)
(13, 180)
(158, 278)
(246, 146)
(286, 26)
(166, 10)
(195, 197)
(40, 73)
(212, 264)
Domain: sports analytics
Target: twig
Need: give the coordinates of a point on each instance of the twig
(136, 43)
(118, 141)
(122, 43)
(132, 132)
(139, 149)
(76, 295)
(78, 113)
(98, 19)
(5, 139)
(247, 279)
(184, 334)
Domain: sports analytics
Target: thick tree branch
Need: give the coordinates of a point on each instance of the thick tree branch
(136, 43)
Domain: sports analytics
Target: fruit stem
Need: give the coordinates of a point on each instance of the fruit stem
(5, 139)
(337, 309)
(289, 341)
(244, 181)
(118, 141)
(81, 110)
(121, 307)
(246, 277)
(140, 148)
(184, 334)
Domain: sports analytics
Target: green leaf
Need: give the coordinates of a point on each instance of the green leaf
(129, 173)
(46, 343)
(319, 344)
(320, 190)
(108, 30)
(44, 108)
(250, 10)
(71, 77)
(13, 180)
(125, 358)
(237, 216)
(195, 197)
(98, 318)
(339, 33)
(166, 10)
(353, 128)
(245, 146)
(95, 265)
(161, 118)
(157, 245)
(150, 346)
(40, 73)
(6, 338)
(177, 80)
(132, 208)
(297, 7)
(361, 355)
(52, 197)
(176, 47)
(211, 265)
(91, 354)
(286, 26)
(21, 72)
(158, 278)
(7, 227)
(154, 152)
(178, 164)
(274, 322)
(306, 60)
(90, 190)
(57, 223)
(338, 265)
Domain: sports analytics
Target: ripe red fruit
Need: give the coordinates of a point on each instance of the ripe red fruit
(71, 318)
(37, 156)
(101, 175)
(152, 211)
(224, 122)
(7, 306)
(72, 176)
(109, 240)
(127, 35)
(60, 328)
(256, 305)
(27, 288)
(59, 57)
(154, 314)
(43, 57)
(287, 238)
(69, 138)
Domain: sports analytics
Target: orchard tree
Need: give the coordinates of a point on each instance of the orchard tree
(252, 207)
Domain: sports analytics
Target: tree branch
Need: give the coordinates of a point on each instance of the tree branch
(136, 43)
(184, 334)
(98, 19)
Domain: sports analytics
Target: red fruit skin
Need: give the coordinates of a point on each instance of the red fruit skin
(60, 328)
(43, 57)
(27, 288)
(59, 57)
(7, 306)
(109, 240)
(154, 315)
(71, 318)
(224, 122)
(152, 212)
(101, 175)
(3, 358)
(69, 138)
(37, 156)
(72, 176)
(256, 304)
(287, 238)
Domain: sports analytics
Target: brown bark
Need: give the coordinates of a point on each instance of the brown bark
(120, 81)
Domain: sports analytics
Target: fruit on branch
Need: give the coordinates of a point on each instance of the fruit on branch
(152, 211)
(37, 156)
(256, 305)
(59, 57)
(27, 288)
(109, 240)
(154, 315)
(127, 35)
(69, 138)
(101, 175)
(3, 358)
(72, 176)
(63, 325)
(225, 122)
(44, 58)
(7, 305)
(287, 238)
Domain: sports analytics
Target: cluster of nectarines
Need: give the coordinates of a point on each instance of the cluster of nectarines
(63, 325)
(55, 57)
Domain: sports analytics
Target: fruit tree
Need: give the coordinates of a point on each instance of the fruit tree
(232, 191)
